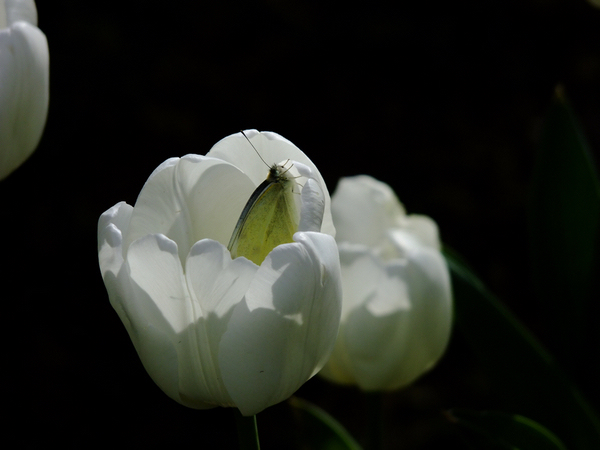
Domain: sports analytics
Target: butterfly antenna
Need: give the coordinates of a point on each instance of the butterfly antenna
(244, 134)
(286, 170)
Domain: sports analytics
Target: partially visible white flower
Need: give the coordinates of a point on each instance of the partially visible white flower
(397, 304)
(212, 330)
(24, 83)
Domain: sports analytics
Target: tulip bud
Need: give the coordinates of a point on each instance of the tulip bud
(23, 83)
(396, 308)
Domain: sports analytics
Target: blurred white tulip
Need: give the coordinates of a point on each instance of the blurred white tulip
(397, 303)
(23, 83)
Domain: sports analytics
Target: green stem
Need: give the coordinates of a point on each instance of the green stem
(374, 411)
(247, 431)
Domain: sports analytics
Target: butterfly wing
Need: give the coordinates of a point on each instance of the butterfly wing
(269, 219)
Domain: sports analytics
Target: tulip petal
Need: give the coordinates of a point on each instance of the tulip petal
(216, 284)
(119, 215)
(313, 206)
(402, 309)
(153, 345)
(24, 93)
(364, 209)
(156, 307)
(111, 225)
(188, 199)
(135, 302)
(425, 229)
(20, 10)
(417, 337)
(431, 296)
(284, 331)
(158, 276)
(162, 323)
(374, 300)
(217, 281)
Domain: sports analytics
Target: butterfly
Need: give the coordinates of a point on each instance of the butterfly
(270, 217)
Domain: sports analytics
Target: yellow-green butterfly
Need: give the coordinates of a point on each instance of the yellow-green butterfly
(270, 217)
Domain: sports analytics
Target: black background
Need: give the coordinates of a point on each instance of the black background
(444, 104)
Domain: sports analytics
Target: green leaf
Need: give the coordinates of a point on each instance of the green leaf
(318, 430)
(526, 376)
(565, 239)
(496, 430)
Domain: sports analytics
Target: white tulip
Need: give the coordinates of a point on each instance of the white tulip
(23, 83)
(212, 331)
(397, 304)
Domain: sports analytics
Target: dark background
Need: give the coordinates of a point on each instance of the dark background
(445, 105)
